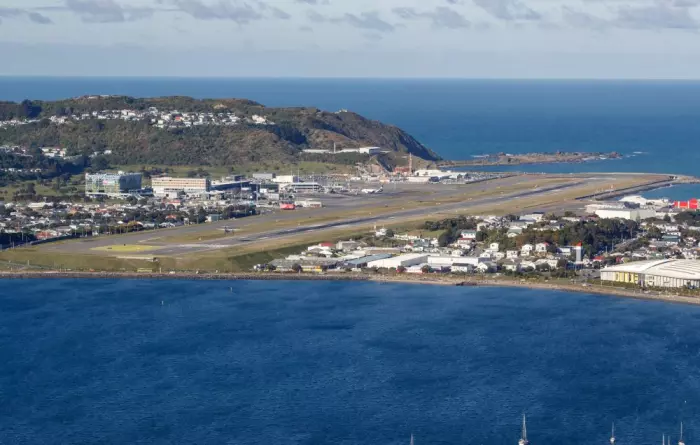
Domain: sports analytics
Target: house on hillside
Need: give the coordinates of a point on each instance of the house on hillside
(541, 248)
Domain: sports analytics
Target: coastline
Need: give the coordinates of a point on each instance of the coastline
(403, 279)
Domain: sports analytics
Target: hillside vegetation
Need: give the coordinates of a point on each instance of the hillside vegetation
(139, 141)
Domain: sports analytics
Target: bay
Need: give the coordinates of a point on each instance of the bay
(160, 362)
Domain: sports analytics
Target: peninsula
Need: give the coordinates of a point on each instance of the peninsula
(187, 131)
(559, 157)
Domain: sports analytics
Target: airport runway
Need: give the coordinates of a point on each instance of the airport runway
(158, 245)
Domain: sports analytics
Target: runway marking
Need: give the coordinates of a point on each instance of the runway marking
(125, 248)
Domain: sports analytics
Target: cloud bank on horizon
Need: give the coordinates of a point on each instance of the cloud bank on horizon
(350, 38)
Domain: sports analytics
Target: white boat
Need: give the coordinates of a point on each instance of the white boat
(523, 436)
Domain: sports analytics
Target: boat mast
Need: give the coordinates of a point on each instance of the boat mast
(523, 437)
(412, 439)
(680, 440)
(612, 436)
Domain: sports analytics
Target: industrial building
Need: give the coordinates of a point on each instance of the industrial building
(359, 263)
(655, 273)
(264, 176)
(303, 187)
(285, 179)
(232, 184)
(410, 259)
(621, 210)
(111, 184)
(167, 187)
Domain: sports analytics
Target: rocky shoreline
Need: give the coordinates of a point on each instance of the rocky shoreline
(179, 276)
(402, 279)
(532, 159)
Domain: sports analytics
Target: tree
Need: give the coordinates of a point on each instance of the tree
(390, 233)
(99, 163)
(426, 269)
(444, 239)
(401, 269)
(667, 218)
(296, 268)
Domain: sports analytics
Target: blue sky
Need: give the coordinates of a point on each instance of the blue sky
(352, 38)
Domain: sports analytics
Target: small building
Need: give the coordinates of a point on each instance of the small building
(264, 176)
(462, 268)
(347, 245)
(468, 234)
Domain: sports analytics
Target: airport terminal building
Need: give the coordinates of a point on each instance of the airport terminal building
(655, 273)
(167, 187)
(111, 184)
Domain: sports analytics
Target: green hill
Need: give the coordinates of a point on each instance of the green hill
(138, 139)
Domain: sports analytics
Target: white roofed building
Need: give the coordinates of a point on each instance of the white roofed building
(655, 273)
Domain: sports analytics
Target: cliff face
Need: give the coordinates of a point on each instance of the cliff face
(260, 133)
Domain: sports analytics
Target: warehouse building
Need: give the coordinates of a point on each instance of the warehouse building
(112, 184)
(655, 273)
(410, 259)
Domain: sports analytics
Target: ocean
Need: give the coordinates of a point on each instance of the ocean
(161, 362)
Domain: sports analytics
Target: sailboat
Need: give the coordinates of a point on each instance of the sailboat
(523, 437)
(612, 436)
(680, 440)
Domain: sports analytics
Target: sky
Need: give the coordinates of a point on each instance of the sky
(598, 39)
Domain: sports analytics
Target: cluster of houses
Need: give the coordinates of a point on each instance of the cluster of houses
(422, 255)
(47, 221)
(158, 118)
(416, 254)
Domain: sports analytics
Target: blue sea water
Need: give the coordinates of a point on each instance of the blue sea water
(656, 125)
(162, 362)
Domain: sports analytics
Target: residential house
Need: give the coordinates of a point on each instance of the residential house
(468, 234)
(511, 254)
(514, 232)
(462, 268)
(541, 248)
(511, 265)
(486, 267)
(527, 265)
(526, 250)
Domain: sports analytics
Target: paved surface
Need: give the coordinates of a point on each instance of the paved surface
(430, 194)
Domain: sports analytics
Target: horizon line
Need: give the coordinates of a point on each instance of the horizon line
(354, 78)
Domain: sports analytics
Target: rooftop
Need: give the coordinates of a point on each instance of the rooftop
(685, 269)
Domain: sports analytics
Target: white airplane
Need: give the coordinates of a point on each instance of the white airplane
(372, 191)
